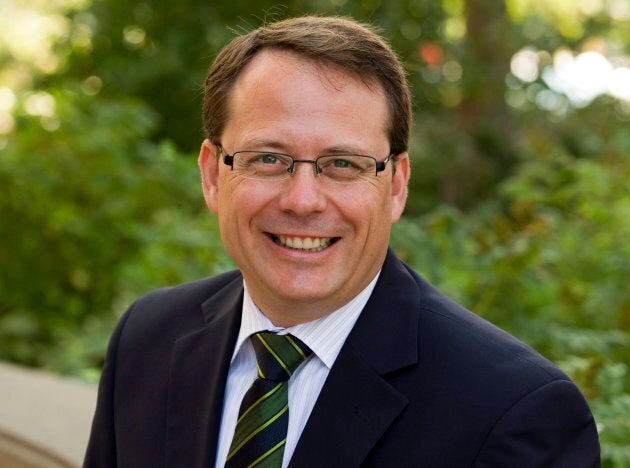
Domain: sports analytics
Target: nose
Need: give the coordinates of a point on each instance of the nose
(303, 194)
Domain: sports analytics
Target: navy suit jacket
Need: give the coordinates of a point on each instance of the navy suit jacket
(420, 381)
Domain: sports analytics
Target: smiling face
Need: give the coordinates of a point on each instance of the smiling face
(305, 247)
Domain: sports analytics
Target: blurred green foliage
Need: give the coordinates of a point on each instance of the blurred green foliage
(519, 205)
(93, 213)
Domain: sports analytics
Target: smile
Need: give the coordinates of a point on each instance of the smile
(311, 244)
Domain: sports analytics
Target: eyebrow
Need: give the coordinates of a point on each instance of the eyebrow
(273, 144)
(276, 145)
(342, 149)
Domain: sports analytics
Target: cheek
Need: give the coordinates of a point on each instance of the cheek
(242, 199)
(368, 209)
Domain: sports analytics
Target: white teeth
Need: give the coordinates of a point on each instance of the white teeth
(313, 244)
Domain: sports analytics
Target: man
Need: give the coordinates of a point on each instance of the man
(305, 162)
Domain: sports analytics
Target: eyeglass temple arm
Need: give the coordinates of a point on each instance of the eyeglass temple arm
(380, 165)
(228, 159)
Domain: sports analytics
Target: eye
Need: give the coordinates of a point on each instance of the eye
(342, 164)
(334, 163)
(266, 158)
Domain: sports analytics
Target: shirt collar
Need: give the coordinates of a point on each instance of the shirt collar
(324, 336)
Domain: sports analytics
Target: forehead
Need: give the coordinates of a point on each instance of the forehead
(279, 86)
(287, 62)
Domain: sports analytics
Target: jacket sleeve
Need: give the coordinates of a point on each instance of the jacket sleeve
(551, 426)
(101, 449)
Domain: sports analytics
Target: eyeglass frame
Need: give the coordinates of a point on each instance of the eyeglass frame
(380, 166)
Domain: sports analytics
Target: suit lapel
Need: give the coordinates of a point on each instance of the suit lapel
(199, 365)
(357, 404)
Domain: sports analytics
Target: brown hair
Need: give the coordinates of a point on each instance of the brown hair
(342, 43)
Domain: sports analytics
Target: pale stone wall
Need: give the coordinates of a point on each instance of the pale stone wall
(44, 419)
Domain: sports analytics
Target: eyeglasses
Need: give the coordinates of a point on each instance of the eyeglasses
(338, 168)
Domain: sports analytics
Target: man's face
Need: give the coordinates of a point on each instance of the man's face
(284, 103)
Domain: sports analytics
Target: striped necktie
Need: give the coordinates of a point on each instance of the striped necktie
(261, 429)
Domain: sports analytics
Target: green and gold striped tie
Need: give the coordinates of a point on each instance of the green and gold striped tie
(261, 429)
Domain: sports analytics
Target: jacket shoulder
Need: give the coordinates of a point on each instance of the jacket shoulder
(173, 311)
(194, 292)
(452, 327)
(475, 383)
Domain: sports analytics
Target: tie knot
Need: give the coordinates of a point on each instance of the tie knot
(278, 355)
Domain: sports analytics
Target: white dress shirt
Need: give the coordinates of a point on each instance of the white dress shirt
(324, 337)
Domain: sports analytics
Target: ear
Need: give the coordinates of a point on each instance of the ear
(400, 180)
(208, 162)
